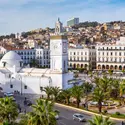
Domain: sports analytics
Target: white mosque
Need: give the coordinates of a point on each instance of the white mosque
(15, 77)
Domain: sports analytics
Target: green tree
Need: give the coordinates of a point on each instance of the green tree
(98, 95)
(77, 93)
(48, 91)
(8, 110)
(55, 92)
(43, 113)
(99, 120)
(67, 94)
(87, 88)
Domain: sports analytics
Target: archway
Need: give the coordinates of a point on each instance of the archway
(116, 67)
(103, 66)
(107, 66)
(70, 65)
(99, 66)
(78, 66)
(74, 66)
(124, 67)
(111, 67)
(81, 65)
(120, 67)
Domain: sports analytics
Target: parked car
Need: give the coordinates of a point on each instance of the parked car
(79, 117)
(8, 94)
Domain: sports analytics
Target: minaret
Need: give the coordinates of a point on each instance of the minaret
(58, 27)
(59, 53)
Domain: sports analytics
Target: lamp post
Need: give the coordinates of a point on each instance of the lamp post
(20, 78)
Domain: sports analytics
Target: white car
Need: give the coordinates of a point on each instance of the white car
(8, 94)
(78, 117)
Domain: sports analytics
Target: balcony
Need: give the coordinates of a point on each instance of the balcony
(111, 49)
(110, 62)
(79, 60)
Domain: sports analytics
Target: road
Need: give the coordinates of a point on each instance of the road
(66, 117)
(65, 113)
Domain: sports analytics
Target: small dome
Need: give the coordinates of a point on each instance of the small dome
(11, 59)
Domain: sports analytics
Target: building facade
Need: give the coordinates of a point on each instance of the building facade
(73, 22)
(27, 80)
(82, 58)
(111, 56)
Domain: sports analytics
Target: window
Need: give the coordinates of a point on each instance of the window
(11, 86)
(85, 53)
(25, 87)
(107, 48)
(120, 48)
(77, 53)
(64, 64)
(111, 59)
(103, 53)
(70, 53)
(74, 53)
(81, 58)
(119, 59)
(99, 53)
(81, 53)
(120, 54)
(111, 53)
(107, 53)
(78, 58)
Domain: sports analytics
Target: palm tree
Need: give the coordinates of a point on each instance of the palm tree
(8, 110)
(122, 88)
(77, 93)
(87, 88)
(48, 91)
(122, 91)
(43, 113)
(99, 120)
(55, 92)
(67, 94)
(105, 83)
(98, 95)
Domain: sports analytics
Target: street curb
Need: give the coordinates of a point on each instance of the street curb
(88, 112)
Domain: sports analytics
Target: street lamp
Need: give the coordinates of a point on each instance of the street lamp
(20, 78)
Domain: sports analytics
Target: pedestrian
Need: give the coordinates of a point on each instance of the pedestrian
(122, 123)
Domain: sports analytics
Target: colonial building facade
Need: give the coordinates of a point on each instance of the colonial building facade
(111, 56)
(82, 57)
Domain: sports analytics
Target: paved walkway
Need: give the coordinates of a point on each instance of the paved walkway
(121, 110)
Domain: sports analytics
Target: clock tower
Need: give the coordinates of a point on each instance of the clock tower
(58, 53)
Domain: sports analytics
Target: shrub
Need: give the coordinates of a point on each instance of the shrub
(117, 113)
(105, 111)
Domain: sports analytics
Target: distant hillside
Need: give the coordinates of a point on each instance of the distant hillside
(86, 24)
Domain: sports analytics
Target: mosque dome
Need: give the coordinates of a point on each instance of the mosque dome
(11, 59)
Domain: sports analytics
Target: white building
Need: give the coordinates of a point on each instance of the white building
(41, 56)
(111, 56)
(82, 57)
(15, 77)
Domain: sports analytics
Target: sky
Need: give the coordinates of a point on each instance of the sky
(24, 15)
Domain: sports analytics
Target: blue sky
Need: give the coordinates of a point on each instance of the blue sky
(23, 15)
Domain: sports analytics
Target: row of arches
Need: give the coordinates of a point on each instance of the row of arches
(112, 67)
(78, 65)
